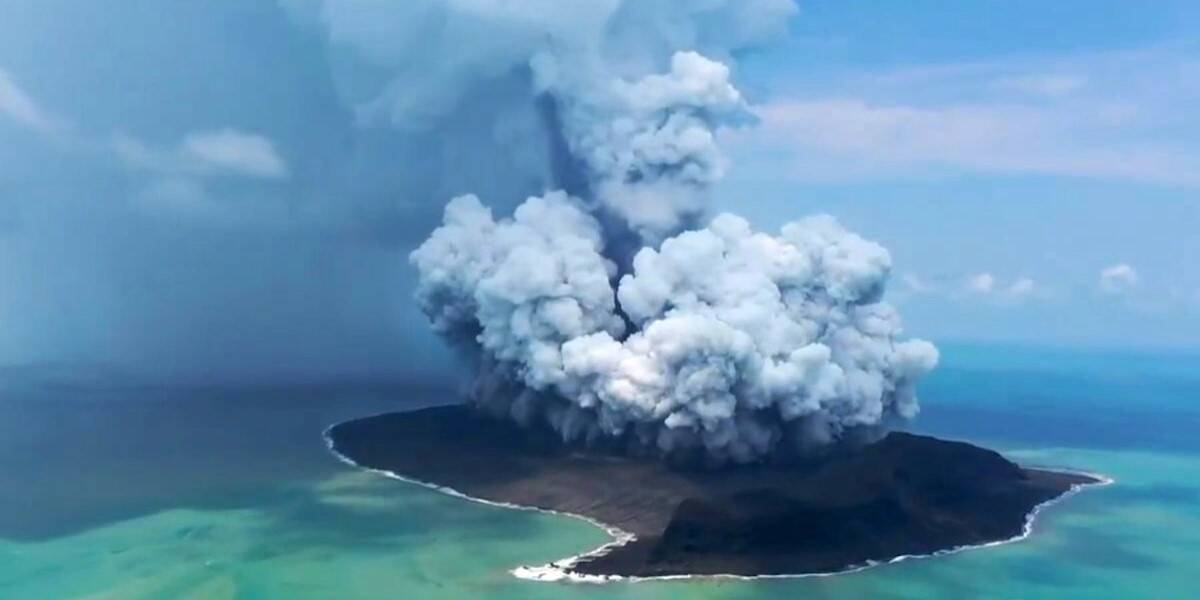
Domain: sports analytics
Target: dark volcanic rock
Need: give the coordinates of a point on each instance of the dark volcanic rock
(904, 495)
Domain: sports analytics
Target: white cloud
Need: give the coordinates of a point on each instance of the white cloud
(234, 151)
(223, 152)
(1118, 278)
(1021, 288)
(911, 285)
(19, 106)
(982, 283)
(1052, 85)
(179, 186)
(914, 284)
(986, 284)
(978, 285)
(846, 137)
(1115, 116)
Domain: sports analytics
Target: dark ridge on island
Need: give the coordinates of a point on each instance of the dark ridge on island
(903, 495)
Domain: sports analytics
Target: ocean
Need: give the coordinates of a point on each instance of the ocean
(147, 493)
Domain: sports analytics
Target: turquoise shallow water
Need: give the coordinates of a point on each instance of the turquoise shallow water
(231, 495)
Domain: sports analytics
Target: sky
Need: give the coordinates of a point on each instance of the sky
(1032, 166)
(194, 191)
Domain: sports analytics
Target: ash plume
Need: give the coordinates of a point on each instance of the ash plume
(607, 307)
(647, 145)
(721, 338)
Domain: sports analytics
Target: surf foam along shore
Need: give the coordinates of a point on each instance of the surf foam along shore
(905, 496)
(561, 570)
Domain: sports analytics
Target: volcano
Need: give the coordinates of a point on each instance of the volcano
(901, 496)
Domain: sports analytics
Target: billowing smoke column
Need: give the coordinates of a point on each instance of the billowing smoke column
(704, 338)
(647, 146)
(722, 338)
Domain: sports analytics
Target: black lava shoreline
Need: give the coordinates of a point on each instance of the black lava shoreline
(904, 496)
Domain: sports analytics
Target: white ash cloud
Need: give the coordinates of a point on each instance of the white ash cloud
(738, 340)
(604, 309)
(739, 332)
(648, 145)
(520, 287)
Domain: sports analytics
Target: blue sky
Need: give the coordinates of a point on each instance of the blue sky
(1032, 166)
(184, 184)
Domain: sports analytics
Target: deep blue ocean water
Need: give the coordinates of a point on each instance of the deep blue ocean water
(132, 493)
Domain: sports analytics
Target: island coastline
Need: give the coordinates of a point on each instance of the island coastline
(564, 570)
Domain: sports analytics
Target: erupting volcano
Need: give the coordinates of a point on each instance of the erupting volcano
(718, 396)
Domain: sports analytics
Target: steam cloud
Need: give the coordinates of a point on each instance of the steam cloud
(648, 146)
(726, 338)
(605, 307)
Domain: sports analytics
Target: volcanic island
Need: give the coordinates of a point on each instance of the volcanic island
(903, 495)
